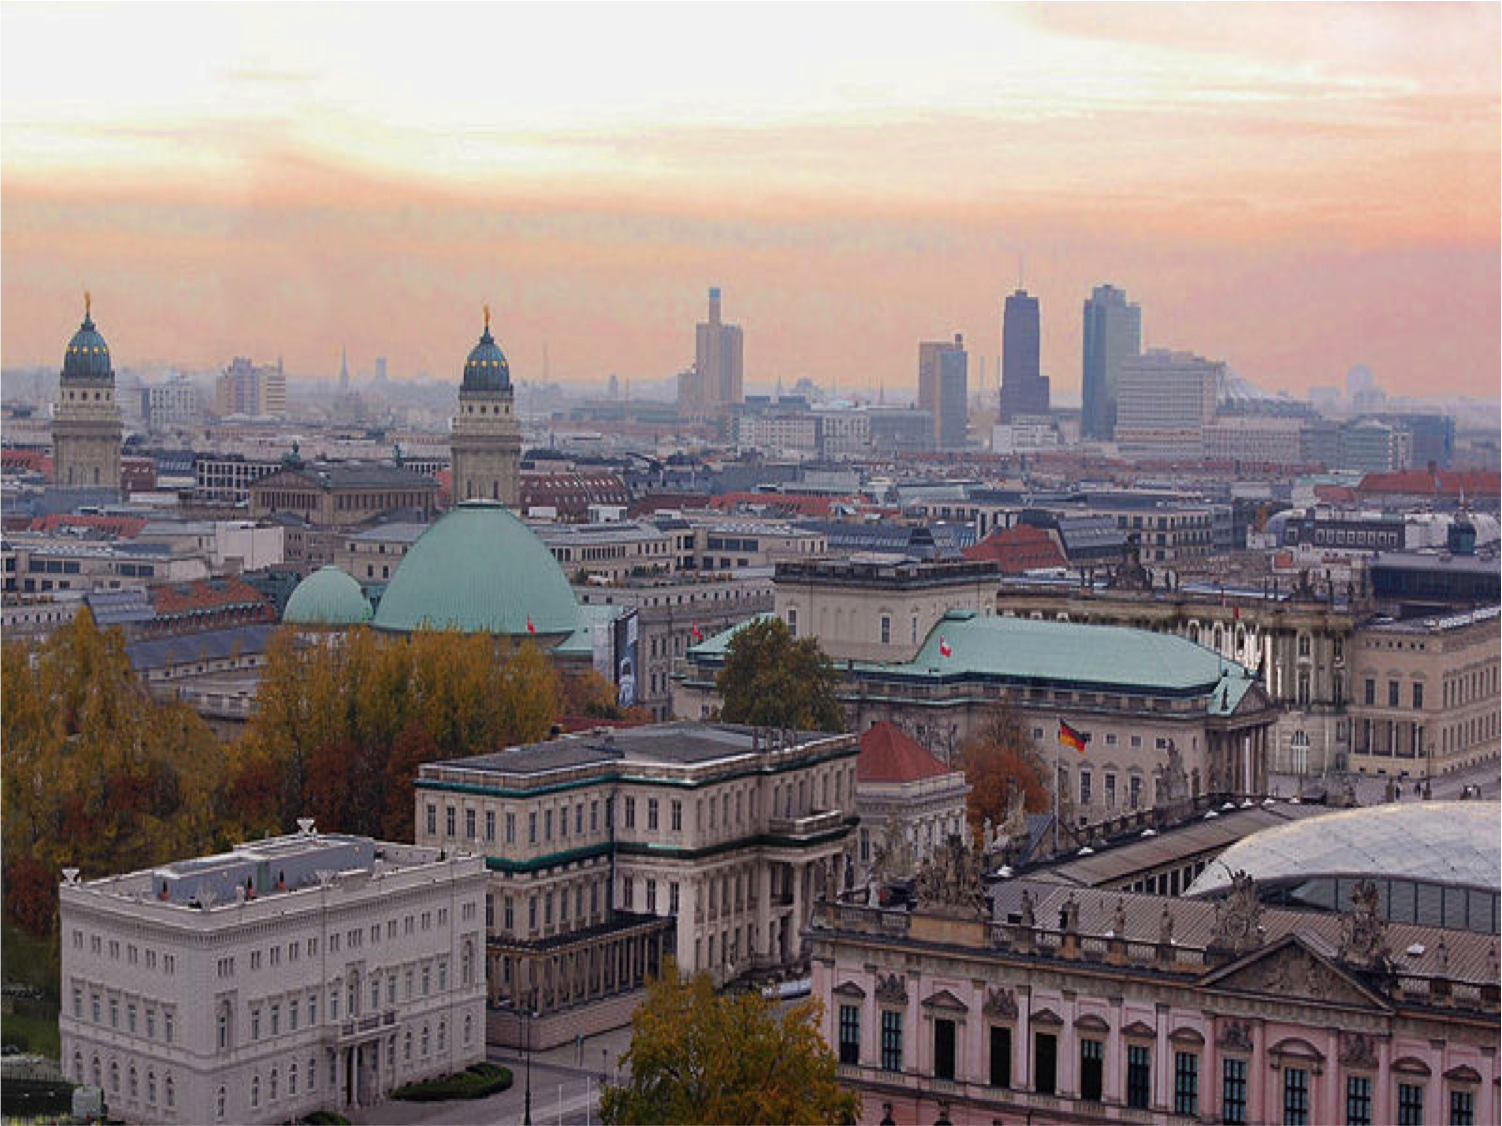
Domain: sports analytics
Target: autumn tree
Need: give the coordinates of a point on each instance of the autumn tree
(695, 1057)
(96, 774)
(341, 725)
(1000, 757)
(771, 679)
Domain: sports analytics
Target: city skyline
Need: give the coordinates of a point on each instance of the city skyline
(1236, 176)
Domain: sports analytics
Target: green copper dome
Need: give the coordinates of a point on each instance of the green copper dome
(480, 570)
(327, 597)
(88, 356)
(487, 369)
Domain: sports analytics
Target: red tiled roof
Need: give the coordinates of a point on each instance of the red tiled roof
(26, 461)
(207, 595)
(1018, 549)
(793, 503)
(1335, 494)
(1441, 482)
(888, 755)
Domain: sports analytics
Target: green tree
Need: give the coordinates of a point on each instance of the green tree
(696, 1057)
(998, 758)
(771, 679)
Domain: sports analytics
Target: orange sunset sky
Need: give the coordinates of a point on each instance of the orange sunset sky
(1292, 188)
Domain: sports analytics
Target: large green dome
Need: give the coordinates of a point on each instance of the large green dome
(88, 356)
(486, 368)
(480, 570)
(327, 597)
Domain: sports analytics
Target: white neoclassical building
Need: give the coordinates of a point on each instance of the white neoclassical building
(289, 975)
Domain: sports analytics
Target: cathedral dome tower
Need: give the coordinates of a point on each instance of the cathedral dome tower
(86, 425)
(485, 444)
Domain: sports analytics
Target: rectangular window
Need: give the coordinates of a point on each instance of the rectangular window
(1084, 787)
(579, 820)
(1001, 1056)
(630, 813)
(1392, 693)
(626, 893)
(1462, 1108)
(510, 827)
(891, 1041)
(1358, 1100)
(850, 1034)
(547, 825)
(944, 1049)
(1410, 1104)
(1110, 790)
(1139, 1076)
(532, 827)
(469, 824)
(1092, 1062)
(1371, 691)
(1045, 1062)
(1233, 1092)
(652, 815)
(432, 820)
(1186, 1083)
(448, 821)
(490, 825)
(1418, 694)
(1295, 1097)
(1136, 791)
(677, 820)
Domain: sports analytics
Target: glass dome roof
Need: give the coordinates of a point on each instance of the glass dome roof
(1437, 842)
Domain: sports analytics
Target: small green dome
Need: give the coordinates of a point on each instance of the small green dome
(480, 570)
(327, 597)
(88, 356)
(487, 369)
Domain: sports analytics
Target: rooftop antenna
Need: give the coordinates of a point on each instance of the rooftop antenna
(1021, 272)
(544, 361)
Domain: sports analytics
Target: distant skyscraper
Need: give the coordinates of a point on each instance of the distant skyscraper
(1113, 332)
(244, 388)
(343, 370)
(943, 387)
(380, 369)
(714, 384)
(1024, 391)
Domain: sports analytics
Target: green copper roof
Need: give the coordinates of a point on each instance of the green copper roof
(1050, 654)
(327, 597)
(480, 570)
(582, 642)
(1066, 653)
(88, 356)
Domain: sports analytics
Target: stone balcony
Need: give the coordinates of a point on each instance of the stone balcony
(809, 825)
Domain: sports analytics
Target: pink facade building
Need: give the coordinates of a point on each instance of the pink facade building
(1069, 1005)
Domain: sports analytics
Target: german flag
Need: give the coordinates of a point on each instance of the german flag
(1069, 737)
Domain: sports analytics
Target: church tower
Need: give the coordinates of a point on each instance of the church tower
(486, 443)
(86, 422)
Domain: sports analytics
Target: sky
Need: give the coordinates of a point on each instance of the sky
(1292, 188)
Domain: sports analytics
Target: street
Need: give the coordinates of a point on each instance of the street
(1371, 789)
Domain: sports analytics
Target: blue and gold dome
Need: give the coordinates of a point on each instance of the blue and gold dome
(487, 369)
(88, 356)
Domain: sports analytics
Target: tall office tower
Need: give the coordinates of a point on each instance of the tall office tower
(1024, 391)
(343, 371)
(1165, 399)
(86, 425)
(485, 446)
(954, 399)
(1113, 332)
(714, 385)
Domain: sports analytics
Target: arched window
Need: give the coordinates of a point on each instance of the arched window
(78, 1067)
(224, 1016)
(135, 1089)
(171, 1093)
(151, 1087)
(114, 1077)
(291, 1080)
(469, 1028)
(255, 1091)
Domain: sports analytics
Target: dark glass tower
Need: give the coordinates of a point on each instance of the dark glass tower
(1113, 332)
(1024, 391)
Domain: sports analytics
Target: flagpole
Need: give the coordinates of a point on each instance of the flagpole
(1056, 796)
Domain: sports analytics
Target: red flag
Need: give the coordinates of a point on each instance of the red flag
(530, 627)
(1235, 613)
(944, 649)
(697, 635)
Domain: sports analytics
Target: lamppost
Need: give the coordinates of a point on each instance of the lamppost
(527, 1015)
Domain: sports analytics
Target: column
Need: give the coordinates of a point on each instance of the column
(763, 879)
(688, 904)
(795, 922)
